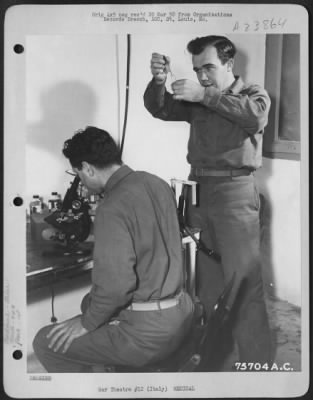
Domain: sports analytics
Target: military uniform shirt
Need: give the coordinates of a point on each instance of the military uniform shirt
(226, 128)
(138, 250)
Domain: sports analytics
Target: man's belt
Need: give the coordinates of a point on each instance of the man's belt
(155, 305)
(198, 171)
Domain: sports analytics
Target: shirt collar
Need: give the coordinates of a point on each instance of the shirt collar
(115, 178)
(236, 86)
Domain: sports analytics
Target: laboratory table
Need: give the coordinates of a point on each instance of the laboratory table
(48, 262)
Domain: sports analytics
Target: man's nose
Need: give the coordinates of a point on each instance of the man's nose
(202, 75)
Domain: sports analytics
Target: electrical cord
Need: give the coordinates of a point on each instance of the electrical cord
(126, 94)
(53, 317)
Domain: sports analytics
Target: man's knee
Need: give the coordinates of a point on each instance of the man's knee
(85, 303)
(41, 342)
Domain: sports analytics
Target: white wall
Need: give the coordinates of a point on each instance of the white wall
(71, 82)
(279, 182)
(75, 81)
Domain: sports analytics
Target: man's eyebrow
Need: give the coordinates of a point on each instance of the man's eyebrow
(209, 65)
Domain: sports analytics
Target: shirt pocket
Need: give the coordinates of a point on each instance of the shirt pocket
(229, 136)
(203, 135)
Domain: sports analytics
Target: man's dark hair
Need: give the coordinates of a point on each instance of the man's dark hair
(94, 146)
(224, 47)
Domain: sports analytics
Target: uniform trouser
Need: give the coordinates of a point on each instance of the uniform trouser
(228, 215)
(137, 338)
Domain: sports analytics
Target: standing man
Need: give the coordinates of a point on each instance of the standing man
(227, 120)
(136, 312)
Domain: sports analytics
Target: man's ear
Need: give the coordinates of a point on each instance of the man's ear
(230, 64)
(88, 168)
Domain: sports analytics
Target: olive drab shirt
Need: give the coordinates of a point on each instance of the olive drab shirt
(138, 249)
(226, 128)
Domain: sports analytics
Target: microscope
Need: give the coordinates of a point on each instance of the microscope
(71, 222)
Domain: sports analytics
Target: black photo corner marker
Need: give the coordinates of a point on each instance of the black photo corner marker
(18, 48)
(18, 201)
(17, 354)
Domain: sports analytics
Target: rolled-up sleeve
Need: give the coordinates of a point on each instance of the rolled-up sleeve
(160, 103)
(249, 108)
(113, 275)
